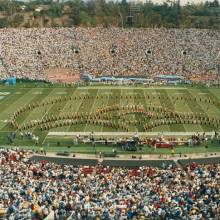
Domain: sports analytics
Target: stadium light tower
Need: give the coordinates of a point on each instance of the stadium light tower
(174, 3)
(121, 17)
(134, 10)
(171, 2)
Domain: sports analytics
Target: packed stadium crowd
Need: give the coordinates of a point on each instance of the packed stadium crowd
(32, 190)
(31, 53)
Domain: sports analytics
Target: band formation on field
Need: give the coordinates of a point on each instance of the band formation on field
(139, 111)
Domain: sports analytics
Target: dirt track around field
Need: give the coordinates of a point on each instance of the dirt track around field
(63, 75)
(143, 156)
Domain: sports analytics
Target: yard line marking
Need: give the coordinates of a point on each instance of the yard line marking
(132, 93)
(163, 105)
(25, 99)
(78, 105)
(4, 93)
(179, 93)
(214, 94)
(31, 113)
(4, 121)
(212, 109)
(174, 104)
(92, 107)
(45, 115)
(84, 93)
(53, 106)
(48, 108)
(44, 139)
(121, 101)
(32, 130)
(37, 93)
(202, 93)
(77, 109)
(61, 93)
(195, 104)
(107, 100)
(16, 104)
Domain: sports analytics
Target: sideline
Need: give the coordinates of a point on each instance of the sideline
(133, 162)
(144, 156)
(131, 88)
(60, 133)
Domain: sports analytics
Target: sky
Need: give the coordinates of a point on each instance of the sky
(183, 2)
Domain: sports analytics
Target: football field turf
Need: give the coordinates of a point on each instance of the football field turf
(87, 100)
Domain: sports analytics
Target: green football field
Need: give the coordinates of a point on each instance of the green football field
(49, 102)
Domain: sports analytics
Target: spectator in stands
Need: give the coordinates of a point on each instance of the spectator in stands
(34, 190)
(32, 53)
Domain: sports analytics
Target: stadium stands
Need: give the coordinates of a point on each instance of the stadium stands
(35, 190)
(31, 53)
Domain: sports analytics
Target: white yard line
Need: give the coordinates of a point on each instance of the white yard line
(106, 104)
(134, 116)
(76, 109)
(61, 93)
(216, 95)
(23, 100)
(173, 103)
(121, 101)
(93, 104)
(29, 102)
(5, 93)
(202, 93)
(213, 110)
(84, 93)
(45, 115)
(132, 93)
(45, 112)
(27, 118)
(163, 105)
(37, 93)
(107, 93)
(201, 107)
(45, 139)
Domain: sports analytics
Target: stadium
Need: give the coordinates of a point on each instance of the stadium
(109, 111)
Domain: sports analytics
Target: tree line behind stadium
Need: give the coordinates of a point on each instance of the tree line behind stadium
(90, 13)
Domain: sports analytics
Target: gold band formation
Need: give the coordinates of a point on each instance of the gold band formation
(114, 116)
